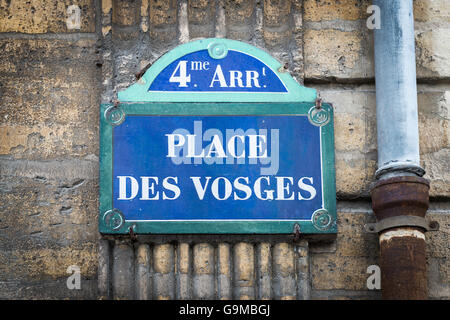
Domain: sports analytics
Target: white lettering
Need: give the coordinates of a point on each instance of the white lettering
(236, 76)
(257, 189)
(282, 188)
(123, 187)
(218, 76)
(306, 187)
(171, 187)
(171, 144)
(252, 76)
(242, 187)
(215, 188)
(198, 186)
(146, 186)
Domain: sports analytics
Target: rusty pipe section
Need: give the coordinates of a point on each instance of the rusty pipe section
(402, 249)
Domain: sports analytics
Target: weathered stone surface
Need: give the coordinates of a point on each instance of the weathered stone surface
(264, 271)
(338, 54)
(143, 279)
(433, 53)
(434, 130)
(355, 138)
(351, 46)
(244, 271)
(203, 281)
(437, 167)
(163, 20)
(44, 16)
(49, 111)
(125, 12)
(321, 10)
(284, 284)
(276, 12)
(431, 11)
(55, 98)
(277, 38)
(438, 278)
(54, 202)
(201, 18)
(238, 18)
(224, 277)
(48, 223)
(163, 267)
(434, 121)
(302, 259)
(346, 268)
(183, 276)
(104, 272)
(123, 271)
(163, 258)
(437, 241)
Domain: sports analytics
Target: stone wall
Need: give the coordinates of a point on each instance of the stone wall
(52, 80)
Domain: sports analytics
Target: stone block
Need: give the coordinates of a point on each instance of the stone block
(45, 16)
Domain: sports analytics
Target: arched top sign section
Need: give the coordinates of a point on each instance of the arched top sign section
(217, 70)
(197, 72)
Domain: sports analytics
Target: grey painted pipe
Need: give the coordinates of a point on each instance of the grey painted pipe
(396, 91)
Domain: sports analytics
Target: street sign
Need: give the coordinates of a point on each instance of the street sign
(217, 138)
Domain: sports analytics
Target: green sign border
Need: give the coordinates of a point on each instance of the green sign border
(112, 222)
(136, 99)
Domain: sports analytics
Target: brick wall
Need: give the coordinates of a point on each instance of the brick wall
(52, 80)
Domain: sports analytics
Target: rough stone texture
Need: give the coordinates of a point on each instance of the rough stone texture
(284, 270)
(49, 166)
(143, 272)
(123, 271)
(438, 253)
(238, 18)
(201, 18)
(203, 261)
(42, 16)
(163, 19)
(302, 258)
(163, 266)
(104, 271)
(224, 272)
(350, 10)
(53, 86)
(338, 54)
(355, 137)
(431, 11)
(277, 28)
(345, 268)
(125, 12)
(432, 53)
(244, 271)
(339, 29)
(49, 122)
(264, 274)
(47, 223)
(434, 130)
(183, 272)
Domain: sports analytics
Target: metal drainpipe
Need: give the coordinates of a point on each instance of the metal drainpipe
(399, 192)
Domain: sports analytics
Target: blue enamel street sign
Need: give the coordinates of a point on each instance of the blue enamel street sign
(216, 138)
